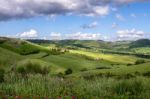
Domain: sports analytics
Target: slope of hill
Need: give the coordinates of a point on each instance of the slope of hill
(77, 60)
(20, 46)
(140, 43)
(45, 74)
(9, 58)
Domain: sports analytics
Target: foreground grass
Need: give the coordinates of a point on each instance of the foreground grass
(47, 86)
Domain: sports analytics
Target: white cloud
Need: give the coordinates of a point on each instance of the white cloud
(55, 36)
(114, 25)
(32, 8)
(120, 17)
(28, 34)
(130, 34)
(19, 9)
(84, 36)
(91, 25)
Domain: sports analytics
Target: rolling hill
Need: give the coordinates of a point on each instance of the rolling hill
(76, 59)
(51, 68)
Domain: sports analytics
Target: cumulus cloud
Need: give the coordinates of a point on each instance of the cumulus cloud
(55, 36)
(130, 34)
(18, 9)
(28, 34)
(89, 26)
(83, 36)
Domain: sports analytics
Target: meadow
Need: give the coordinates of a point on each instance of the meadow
(72, 70)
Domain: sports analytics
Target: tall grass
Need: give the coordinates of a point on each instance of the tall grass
(32, 66)
(46, 85)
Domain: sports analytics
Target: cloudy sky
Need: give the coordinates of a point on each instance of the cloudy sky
(75, 19)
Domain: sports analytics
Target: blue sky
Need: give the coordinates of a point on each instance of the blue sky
(115, 20)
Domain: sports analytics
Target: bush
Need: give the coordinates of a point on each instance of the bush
(147, 74)
(84, 69)
(128, 76)
(33, 67)
(129, 64)
(103, 67)
(27, 52)
(137, 73)
(129, 87)
(68, 71)
(139, 62)
(2, 75)
(60, 74)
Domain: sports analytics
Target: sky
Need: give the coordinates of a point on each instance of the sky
(108, 20)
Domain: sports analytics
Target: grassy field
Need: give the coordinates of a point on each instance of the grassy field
(29, 69)
(143, 50)
(38, 86)
(123, 59)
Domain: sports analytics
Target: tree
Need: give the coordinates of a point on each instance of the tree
(68, 71)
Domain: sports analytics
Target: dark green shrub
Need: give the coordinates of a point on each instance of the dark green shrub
(68, 71)
(112, 64)
(104, 67)
(2, 75)
(27, 51)
(56, 51)
(139, 62)
(84, 69)
(129, 64)
(128, 76)
(108, 74)
(60, 74)
(137, 73)
(147, 74)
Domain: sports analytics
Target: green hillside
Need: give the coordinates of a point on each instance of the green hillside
(140, 43)
(20, 46)
(77, 60)
(55, 68)
(9, 58)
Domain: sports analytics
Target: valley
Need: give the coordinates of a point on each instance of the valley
(76, 62)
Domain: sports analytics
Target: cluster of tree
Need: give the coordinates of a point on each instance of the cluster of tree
(57, 51)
